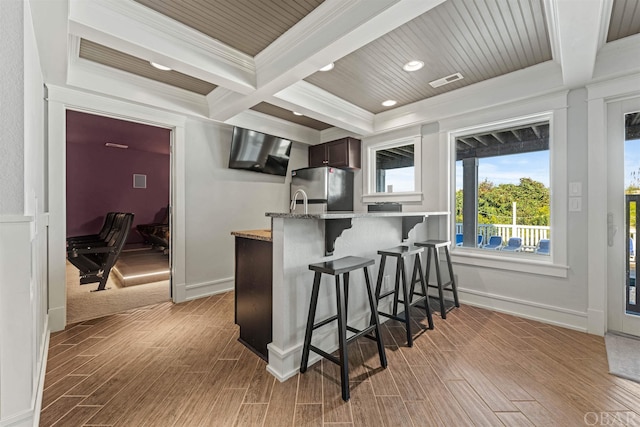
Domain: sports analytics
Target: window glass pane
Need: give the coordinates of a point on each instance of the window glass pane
(503, 190)
(632, 200)
(395, 169)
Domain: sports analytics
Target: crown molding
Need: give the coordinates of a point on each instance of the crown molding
(523, 84)
(112, 82)
(136, 30)
(618, 58)
(326, 107)
(275, 126)
(617, 88)
(605, 20)
(551, 16)
(332, 134)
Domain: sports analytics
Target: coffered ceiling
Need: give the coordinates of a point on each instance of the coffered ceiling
(233, 58)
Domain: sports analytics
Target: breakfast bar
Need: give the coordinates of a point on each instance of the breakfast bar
(302, 239)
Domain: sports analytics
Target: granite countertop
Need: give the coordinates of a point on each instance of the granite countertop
(254, 234)
(341, 215)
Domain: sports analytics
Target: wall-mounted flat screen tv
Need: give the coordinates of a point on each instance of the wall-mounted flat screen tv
(259, 152)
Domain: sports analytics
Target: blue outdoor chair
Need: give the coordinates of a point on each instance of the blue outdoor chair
(480, 239)
(513, 245)
(544, 246)
(459, 239)
(495, 243)
(632, 253)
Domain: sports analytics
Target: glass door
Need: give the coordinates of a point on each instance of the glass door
(623, 216)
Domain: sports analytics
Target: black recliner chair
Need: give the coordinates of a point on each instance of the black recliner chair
(95, 259)
(156, 234)
(101, 236)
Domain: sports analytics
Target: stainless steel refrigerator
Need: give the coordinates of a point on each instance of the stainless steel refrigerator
(327, 189)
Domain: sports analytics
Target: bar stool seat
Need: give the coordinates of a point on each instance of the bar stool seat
(432, 248)
(336, 268)
(408, 291)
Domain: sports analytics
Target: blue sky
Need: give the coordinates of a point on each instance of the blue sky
(631, 160)
(509, 169)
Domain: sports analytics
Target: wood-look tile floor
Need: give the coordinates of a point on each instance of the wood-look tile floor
(181, 365)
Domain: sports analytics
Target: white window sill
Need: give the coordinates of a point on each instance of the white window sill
(392, 197)
(521, 262)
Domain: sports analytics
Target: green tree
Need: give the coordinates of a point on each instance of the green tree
(495, 203)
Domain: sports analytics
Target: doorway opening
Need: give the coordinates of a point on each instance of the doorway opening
(117, 166)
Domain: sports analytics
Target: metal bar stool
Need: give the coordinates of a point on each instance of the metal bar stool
(400, 253)
(432, 247)
(336, 268)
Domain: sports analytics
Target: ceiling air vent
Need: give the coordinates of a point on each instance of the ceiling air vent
(446, 80)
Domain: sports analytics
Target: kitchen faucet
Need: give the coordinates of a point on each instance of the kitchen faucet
(305, 201)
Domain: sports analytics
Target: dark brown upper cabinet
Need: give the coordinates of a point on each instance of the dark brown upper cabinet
(342, 153)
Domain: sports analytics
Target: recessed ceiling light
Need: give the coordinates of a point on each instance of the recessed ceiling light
(413, 65)
(159, 66)
(327, 67)
(389, 103)
(297, 114)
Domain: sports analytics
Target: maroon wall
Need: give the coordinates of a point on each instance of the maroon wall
(100, 180)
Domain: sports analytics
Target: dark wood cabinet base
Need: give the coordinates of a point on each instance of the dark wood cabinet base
(253, 294)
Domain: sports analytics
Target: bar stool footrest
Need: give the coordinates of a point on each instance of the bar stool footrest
(445, 287)
(324, 354)
(434, 303)
(325, 322)
(359, 333)
(391, 316)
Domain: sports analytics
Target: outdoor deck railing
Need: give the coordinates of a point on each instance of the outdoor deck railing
(530, 234)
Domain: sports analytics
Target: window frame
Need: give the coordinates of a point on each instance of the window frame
(370, 195)
(555, 263)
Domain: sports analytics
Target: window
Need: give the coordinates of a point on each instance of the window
(393, 171)
(502, 189)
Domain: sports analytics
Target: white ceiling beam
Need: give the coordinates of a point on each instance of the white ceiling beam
(334, 29)
(321, 105)
(50, 24)
(618, 58)
(134, 29)
(574, 30)
(265, 123)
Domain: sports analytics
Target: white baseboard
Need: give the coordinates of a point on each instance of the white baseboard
(571, 319)
(285, 363)
(41, 377)
(204, 289)
(57, 318)
(596, 323)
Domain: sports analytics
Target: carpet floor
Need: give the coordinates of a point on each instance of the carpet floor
(623, 354)
(82, 304)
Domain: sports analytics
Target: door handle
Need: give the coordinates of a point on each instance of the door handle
(611, 229)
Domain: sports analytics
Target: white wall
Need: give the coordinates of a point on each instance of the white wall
(11, 108)
(23, 241)
(220, 200)
(558, 294)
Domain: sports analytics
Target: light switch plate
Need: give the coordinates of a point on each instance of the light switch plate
(575, 189)
(575, 204)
